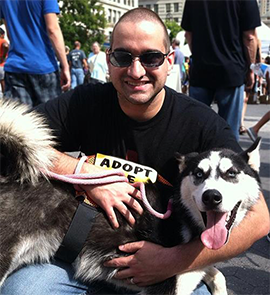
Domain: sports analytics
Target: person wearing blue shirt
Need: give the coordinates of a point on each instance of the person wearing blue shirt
(32, 73)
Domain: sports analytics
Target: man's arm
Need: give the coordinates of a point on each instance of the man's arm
(5, 47)
(57, 40)
(150, 263)
(85, 64)
(250, 47)
(188, 36)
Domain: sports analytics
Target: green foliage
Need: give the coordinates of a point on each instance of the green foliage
(173, 27)
(82, 20)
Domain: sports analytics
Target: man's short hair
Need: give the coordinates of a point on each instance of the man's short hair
(176, 42)
(77, 44)
(141, 14)
(96, 42)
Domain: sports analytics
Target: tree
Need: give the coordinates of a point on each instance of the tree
(173, 27)
(82, 20)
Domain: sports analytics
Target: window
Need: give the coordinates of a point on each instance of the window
(176, 7)
(110, 16)
(168, 7)
(156, 8)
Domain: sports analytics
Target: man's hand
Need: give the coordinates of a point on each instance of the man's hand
(148, 263)
(120, 196)
(65, 79)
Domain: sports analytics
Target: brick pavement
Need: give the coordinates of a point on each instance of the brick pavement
(249, 273)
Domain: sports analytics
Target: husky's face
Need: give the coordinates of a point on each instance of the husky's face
(221, 184)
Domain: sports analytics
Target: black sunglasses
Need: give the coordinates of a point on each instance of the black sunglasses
(149, 59)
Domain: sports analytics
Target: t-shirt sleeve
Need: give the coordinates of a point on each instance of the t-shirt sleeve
(83, 55)
(249, 15)
(50, 6)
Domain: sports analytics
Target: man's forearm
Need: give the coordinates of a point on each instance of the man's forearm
(57, 40)
(65, 164)
(250, 46)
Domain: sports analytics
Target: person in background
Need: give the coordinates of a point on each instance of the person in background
(31, 69)
(3, 55)
(67, 49)
(97, 63)
(222, 38)
(78, 65)
(179, 59)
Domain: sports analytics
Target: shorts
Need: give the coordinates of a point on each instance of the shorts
(32, 89)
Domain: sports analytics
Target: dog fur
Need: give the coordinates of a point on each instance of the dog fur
(35, 212)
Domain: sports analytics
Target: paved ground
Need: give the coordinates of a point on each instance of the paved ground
(249, 273)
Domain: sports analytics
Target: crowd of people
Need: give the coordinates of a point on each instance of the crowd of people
(135, 117)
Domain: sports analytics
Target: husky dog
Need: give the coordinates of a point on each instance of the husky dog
(217, 186)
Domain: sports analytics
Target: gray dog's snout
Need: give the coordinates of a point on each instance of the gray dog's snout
(211, 198)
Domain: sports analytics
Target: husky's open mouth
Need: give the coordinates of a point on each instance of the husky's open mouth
(218, 227)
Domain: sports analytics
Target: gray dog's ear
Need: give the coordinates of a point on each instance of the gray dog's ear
(183, 159)
(252, 155)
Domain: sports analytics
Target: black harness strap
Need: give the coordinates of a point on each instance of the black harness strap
(77, 233)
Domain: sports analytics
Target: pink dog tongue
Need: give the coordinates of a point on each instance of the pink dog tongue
(215, 235)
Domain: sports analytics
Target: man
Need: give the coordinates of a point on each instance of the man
(3, 55)
(179, 59)
(135, 118)
(77, 63)
(97, 63)
(31, 69)
(221, 36)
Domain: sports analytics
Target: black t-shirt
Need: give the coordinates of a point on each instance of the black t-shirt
(218, 58)
(90, 119)
(76, 58)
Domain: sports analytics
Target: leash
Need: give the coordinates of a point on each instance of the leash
(107, 177)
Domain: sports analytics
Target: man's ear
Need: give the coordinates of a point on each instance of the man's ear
(170, 59)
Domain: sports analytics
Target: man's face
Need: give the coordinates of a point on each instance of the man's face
(138, 84)
(95, 48)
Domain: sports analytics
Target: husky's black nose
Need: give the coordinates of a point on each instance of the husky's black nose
(211, 198)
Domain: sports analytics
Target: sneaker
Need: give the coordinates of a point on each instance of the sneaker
(268, 237)
(252, 134)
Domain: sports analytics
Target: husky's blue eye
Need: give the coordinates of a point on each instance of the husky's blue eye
(199, 174)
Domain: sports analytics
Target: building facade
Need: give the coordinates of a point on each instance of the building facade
(166, 9)
(114, 9)
(264, 6)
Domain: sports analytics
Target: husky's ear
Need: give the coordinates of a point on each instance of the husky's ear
(252, 155)
(182, 160)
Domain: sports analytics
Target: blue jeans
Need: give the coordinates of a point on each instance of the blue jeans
(57, 279)
(229, 101)
(77, 77)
